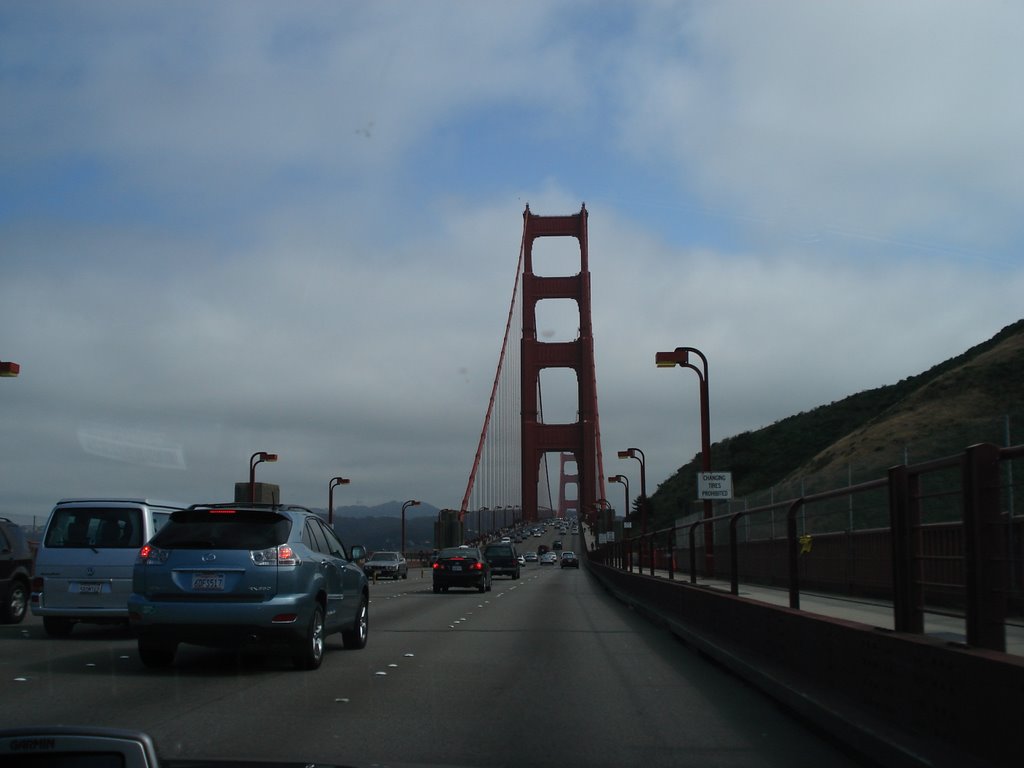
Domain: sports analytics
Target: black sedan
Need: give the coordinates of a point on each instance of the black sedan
(569, 560)
(462, 567)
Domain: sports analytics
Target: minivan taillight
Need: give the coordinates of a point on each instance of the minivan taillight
(150, 555)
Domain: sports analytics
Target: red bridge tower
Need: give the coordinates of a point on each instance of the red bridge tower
(583, 437)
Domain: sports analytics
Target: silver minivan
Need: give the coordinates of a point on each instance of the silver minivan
(83, 570)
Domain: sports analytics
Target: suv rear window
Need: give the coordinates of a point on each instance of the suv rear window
(109, 528)
(498, 550)
(223, 529)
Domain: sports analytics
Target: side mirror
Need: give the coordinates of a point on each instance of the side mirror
(358, 553)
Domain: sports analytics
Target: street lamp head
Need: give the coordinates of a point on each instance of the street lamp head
(264, 456)
(680, 356)
(626, 454)
(9, 370)
(340, 481)
(617, 479)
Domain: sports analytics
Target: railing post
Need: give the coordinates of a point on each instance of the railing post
(904, 518)
(734, 564)
(672, 553)
(653, 548)
(983, 549)
(693, 553)
(793, 554)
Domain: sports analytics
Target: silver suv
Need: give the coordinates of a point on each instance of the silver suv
(260, 576)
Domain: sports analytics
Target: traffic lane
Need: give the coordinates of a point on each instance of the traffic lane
(454, 678)
(469, 679)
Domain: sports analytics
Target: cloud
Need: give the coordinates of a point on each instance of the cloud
(297, 230)
(880, 122)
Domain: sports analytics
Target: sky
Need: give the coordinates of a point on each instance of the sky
(228, 227)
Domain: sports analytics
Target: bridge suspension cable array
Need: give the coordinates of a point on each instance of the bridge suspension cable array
(495, 479)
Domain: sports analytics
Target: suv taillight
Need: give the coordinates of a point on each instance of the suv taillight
(282, 554)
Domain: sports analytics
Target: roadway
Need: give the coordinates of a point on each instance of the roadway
(544, 670)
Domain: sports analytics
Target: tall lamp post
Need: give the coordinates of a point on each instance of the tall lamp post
(625, 482)
(405, 506)
(257, 458)
(681, 357)
(335, 482)
(636, 453)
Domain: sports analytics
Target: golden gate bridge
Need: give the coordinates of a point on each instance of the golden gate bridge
(512, 468)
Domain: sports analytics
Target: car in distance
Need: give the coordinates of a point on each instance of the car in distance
(569, 560)
(461, 567)
(84, 564)
(390, 564)
(548, 558)
(504, 560)
(15, 572)
(531, 557)
(247, 576)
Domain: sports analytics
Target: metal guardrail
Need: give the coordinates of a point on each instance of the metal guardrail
(983, 556)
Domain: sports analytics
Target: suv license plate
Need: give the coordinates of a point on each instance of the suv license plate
(90, 587)
(208, 582)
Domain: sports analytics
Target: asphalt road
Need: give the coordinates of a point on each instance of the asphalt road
(544, 670)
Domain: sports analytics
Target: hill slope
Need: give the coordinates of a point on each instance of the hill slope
(968, 399)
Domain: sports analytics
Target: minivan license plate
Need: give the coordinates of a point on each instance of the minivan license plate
(90, 587)
(207, 582)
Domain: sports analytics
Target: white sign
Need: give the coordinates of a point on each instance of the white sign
(714, 485)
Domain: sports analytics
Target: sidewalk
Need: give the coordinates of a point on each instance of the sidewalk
(874, 613)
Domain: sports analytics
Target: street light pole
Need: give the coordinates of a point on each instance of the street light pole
(636, 453)
(625, 482)
(405, 506)
(681, 357)
(335, 481)
(257, 458)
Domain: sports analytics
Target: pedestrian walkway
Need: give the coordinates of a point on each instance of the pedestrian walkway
(874, 613)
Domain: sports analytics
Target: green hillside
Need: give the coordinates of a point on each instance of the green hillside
(974, 397)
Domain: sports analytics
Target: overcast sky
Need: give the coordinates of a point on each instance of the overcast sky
(238, 226)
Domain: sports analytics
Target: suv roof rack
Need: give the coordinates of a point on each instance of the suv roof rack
(250, 505)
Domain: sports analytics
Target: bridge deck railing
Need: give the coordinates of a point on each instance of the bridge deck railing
(941, 534)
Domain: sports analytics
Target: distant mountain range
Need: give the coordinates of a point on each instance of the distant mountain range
(387, 509)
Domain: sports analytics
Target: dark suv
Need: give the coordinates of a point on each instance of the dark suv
(247, 575)
(15, 572)
(504, 559)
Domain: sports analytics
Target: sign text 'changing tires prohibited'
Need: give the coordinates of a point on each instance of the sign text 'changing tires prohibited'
(714, 485)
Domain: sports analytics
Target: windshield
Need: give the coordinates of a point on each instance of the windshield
(576, 274)
(95, 527)
(217, 529)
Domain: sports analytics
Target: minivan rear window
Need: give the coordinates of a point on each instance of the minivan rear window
(95, 527)
(223, 529)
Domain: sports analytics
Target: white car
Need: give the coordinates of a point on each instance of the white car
(548, 558)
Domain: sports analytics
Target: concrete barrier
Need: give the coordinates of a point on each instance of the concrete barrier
(900, 699)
